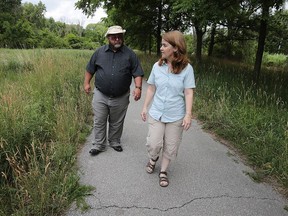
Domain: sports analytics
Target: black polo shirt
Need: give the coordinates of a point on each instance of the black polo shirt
(114, 70)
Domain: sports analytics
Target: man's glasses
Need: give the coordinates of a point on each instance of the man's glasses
(115, 37)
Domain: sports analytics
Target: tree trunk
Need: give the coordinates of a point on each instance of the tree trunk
(229, 41)
(212, 40)
(150, 44)
(199, 36)
(261, 42)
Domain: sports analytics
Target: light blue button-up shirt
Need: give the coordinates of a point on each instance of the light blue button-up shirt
(169, 101)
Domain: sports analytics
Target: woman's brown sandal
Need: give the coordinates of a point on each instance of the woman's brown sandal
(163, 179)
(150, 167)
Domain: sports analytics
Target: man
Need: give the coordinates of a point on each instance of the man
(114, 65)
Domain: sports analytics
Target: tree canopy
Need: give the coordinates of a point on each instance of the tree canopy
(224, 28)
(25, 26)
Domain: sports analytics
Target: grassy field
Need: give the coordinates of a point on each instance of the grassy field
(45, 116)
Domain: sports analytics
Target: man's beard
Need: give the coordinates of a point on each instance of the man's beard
(117, 46)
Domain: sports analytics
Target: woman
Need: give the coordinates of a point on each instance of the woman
(171, 85)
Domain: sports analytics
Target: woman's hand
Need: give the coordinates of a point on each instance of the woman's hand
(144, 114)
(187, 122)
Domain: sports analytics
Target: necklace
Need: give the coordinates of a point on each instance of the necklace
(170, 69)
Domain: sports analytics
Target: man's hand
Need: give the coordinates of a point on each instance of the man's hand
(137, 94)
(87, 88)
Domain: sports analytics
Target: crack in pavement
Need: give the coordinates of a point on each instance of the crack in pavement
(180, 206)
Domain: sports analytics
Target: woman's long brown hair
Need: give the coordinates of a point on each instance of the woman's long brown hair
(180, 58)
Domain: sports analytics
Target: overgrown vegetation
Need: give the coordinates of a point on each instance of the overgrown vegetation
(45, 117)
(252, 117)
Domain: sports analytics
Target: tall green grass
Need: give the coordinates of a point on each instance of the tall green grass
(147, 61)
(275, 60)
(252, 117)
(44, 117)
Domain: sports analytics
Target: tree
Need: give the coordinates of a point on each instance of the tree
(96, 33)
(277, 39)
(145, 24)
(232, 27)
(266, 7)
(10, 6)
(20, 24)
(34, 14)
(18, 35)
(58, 28)
(50, 39)
(74, 41)
(196, 13)
(138, 22)
(9, 15)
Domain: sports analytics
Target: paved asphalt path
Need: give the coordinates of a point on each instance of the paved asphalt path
(206, 179)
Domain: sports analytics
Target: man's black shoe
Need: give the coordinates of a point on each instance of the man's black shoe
(94, 152)
(117, 148)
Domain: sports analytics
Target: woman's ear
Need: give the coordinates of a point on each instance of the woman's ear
(175, 50)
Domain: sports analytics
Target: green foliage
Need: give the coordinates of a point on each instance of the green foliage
(96, 33)
(52, 40)
(147, 62)
(237, 25)
(20, 35)
(34, 14)
(11, 6)
(253, 118)
(74, 41)
(242, 51)
(189, 38)
(277, 38)
(144, 25)
(87, 44)
(44, 118)
(89, 8)
(275, 60)
(24, 26)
